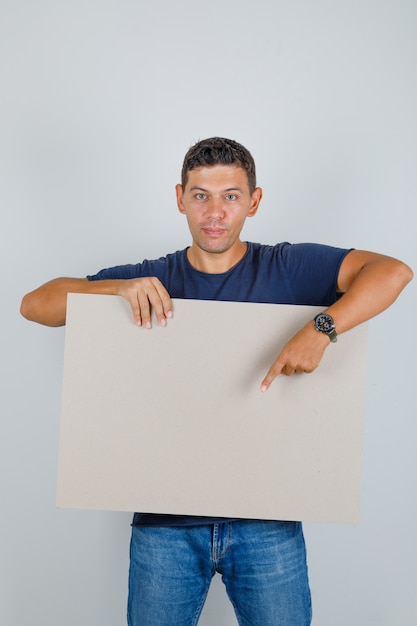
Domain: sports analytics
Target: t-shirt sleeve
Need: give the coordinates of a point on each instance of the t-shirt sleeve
(123, 272)
(157, 267)
(312, 271)
(167, 269)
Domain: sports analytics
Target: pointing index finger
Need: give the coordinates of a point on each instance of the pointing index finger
(273, 372)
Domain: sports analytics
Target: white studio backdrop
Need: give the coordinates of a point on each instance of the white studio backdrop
(99, 102)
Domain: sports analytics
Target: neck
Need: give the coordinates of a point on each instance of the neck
(216, 262)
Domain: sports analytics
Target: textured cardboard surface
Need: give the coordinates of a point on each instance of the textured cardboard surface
(171, 420)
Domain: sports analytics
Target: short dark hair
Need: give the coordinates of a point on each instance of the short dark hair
(219, 151)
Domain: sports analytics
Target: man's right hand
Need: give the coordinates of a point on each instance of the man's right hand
(144, 295)
(48, 303)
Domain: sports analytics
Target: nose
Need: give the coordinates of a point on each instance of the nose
(215, 208)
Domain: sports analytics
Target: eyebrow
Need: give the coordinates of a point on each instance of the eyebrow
(207, 190)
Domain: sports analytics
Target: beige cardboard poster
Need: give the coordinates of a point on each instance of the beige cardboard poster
(171, 420)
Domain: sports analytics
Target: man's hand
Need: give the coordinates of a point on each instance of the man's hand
(370, 283)
(143, 295)
(48, 303)
(302, 354)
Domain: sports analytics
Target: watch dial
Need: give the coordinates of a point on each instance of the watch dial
(324, 323)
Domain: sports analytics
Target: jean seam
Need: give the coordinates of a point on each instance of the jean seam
(216, 555)
(198, 610)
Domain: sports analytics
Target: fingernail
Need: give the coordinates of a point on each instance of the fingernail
(264, 388)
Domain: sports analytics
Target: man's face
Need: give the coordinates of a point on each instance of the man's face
(216, 201)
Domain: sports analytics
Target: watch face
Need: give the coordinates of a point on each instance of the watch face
(324, 323)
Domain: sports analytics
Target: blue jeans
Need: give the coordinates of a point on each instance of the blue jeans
(262, 564)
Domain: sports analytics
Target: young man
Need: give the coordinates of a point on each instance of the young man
(263, 563)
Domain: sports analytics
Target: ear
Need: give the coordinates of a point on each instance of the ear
(255, 200)
(180, 204)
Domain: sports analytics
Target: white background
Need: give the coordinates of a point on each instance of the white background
(99, 102)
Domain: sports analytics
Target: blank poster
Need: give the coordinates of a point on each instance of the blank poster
(171, 420)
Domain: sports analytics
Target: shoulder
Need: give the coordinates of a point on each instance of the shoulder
(147, 267)
(262, 250)
(302, 251)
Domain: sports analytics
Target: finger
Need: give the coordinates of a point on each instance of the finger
(163, 308)
(274, 371)
(146, 295)
(134, 305)
(144, 310)
(159, 301)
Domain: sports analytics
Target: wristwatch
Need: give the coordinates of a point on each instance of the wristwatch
(325, 324)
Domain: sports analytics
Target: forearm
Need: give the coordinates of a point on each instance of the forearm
(48, 304)
(370, 284)
(372, 290)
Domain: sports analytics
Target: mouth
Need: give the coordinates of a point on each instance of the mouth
(213, 231)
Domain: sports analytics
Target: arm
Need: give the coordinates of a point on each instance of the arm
(370, 283)
(48, 303)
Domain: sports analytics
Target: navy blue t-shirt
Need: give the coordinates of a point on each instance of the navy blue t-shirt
(285, 273)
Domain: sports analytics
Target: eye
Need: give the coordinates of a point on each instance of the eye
(231, 196)
(200, 196)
